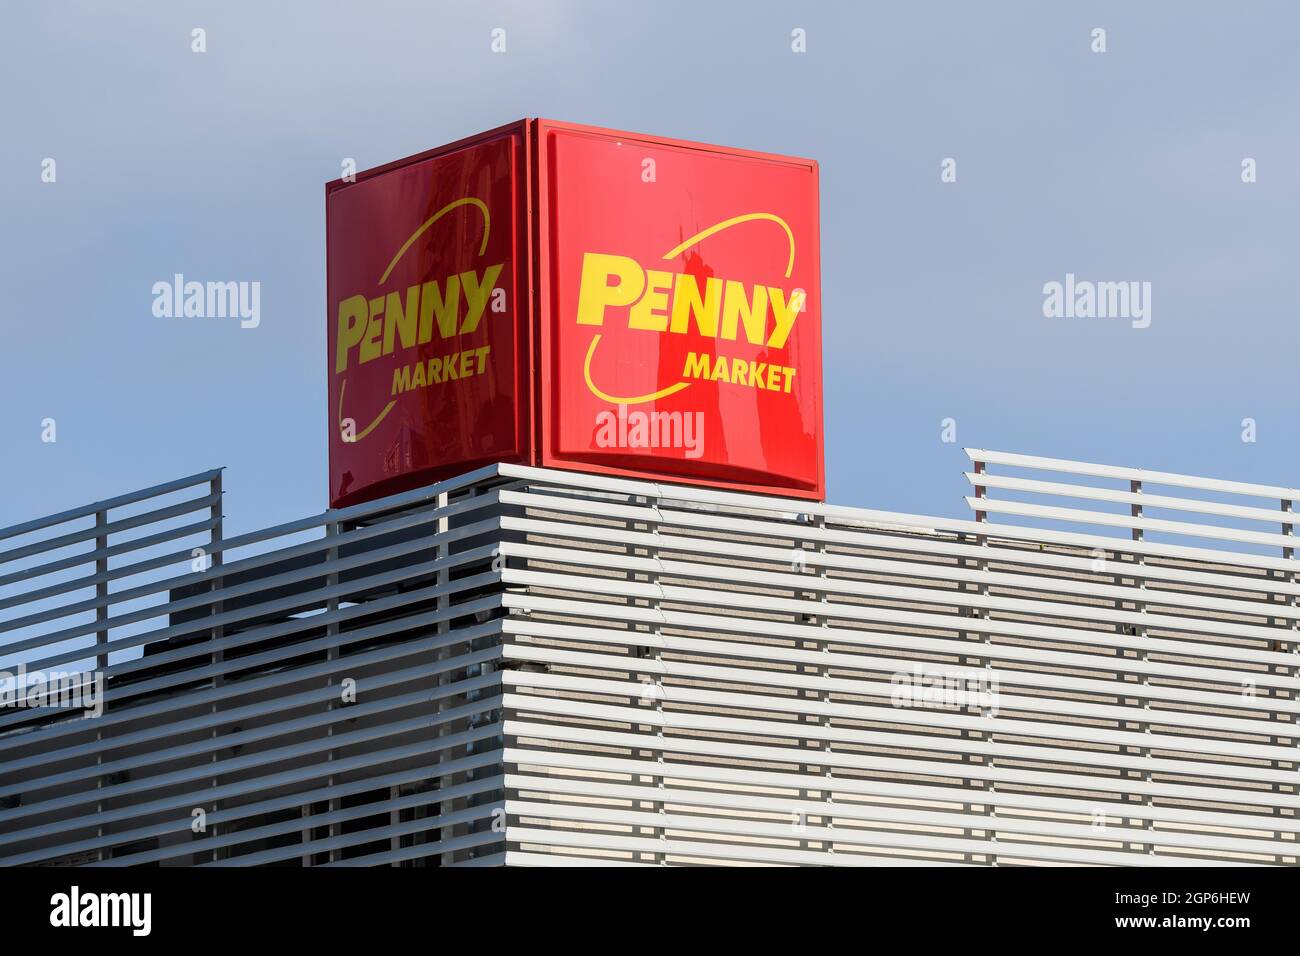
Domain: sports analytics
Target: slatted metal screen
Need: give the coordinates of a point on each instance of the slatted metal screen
(537, 667)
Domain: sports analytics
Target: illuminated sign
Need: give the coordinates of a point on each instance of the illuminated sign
(682, 290)
(427, 311)
(576, 298)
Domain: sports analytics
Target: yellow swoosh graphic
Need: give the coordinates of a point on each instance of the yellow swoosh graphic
(482, 248)
(736, 221)
(672, 254)
(369, 428)
(636, 400)
(467, 201)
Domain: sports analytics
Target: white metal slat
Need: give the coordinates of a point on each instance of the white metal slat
(1023, 656)
(871, 685)
(733, 806)
(1143, 475)
(882, 521)
(1141, 498)
(1023, 580)
(1020, 676)
(885, 840)
(867, 613)
(931, 746)
(1079, 516)
(734, 779)
(851, 760)
(907, 717)
(848, 588)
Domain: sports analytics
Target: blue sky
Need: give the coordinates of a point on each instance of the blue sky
(1124, 165)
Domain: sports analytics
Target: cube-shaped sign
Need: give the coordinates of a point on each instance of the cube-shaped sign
(577, 298)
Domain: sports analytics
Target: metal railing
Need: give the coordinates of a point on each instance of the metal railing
(1137, 501)
(240, 687)
(52, 553)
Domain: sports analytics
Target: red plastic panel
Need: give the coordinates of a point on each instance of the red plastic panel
(428, 316)
(680, 311)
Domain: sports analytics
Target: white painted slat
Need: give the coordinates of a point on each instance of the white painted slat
(930, 534)
(880, 840)
(734, 805)
(1098, 660)
(1141, 498)
(1036, 667)
(1131, 474)
(783, 783)
(1038, 726)
(842, 587)
(835, 759)
(1079, 516)
(880, 684)
(1024, 579)
(863, 613)
(702, 851)
(1199, 765)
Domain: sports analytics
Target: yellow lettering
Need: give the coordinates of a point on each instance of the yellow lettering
(400, 321)
(785, 316)
(370, 344)
(434, 302)
(687, 302)
(476, 295)
(352, 325)
(650, 311)
(435, 371)
(595, 293)
(697, 366)
(736, 307)
(739, 371)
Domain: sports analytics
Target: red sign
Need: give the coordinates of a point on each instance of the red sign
(428, 317)
(675, 313)
(683, 331)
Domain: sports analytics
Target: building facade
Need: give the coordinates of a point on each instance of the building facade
(535, 667)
